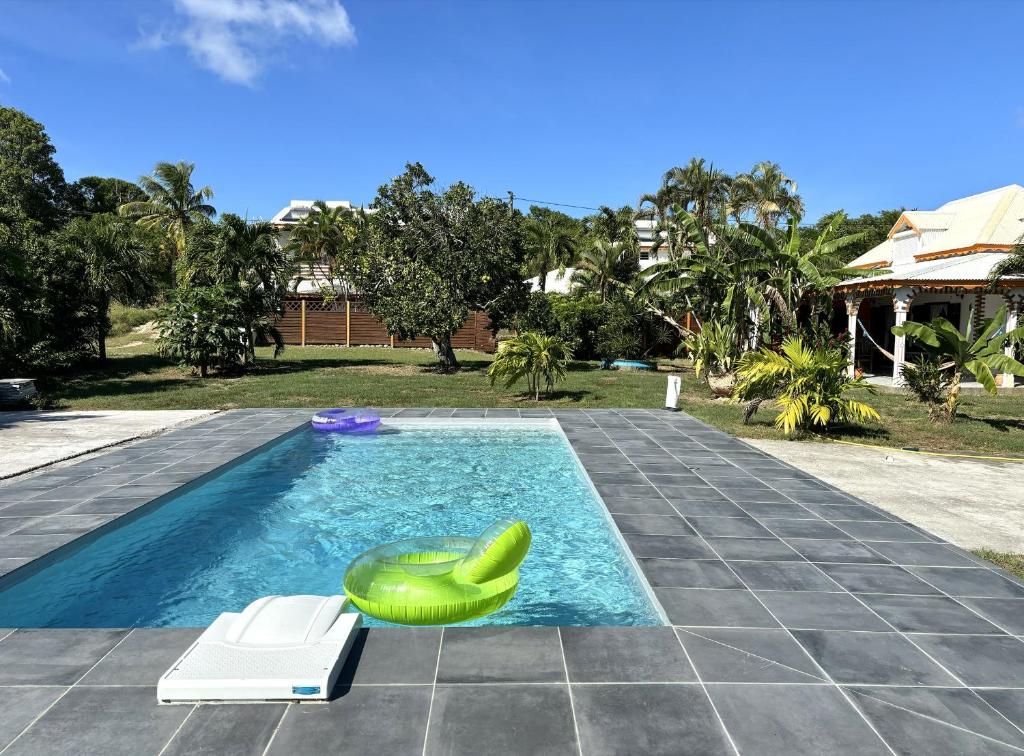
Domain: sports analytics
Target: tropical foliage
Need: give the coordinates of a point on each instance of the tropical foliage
(712, 349)
(810, 386)
(541, 360)
(982, 356)
(201, 326)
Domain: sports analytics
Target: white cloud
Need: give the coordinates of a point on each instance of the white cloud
(4, 77)
(235, 38)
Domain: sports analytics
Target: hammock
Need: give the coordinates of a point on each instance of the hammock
(888, 355)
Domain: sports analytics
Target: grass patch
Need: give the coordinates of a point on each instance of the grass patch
(123, 319)
(137, 377)
(1010, 562)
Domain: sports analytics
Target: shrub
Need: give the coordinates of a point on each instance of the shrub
(928, 382)
(202, 327)
(809, 384)
(712, 349)
(532, 356)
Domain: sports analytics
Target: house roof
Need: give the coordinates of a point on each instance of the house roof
(970, 270)
(296, 210)
(990, 220)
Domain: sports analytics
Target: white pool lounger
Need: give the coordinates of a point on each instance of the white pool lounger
(278, 648)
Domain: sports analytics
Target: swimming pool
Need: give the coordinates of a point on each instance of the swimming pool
(290, 518)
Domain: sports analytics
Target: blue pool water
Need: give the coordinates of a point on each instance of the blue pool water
(289, 519)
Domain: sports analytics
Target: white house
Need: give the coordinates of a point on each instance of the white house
(935, 262)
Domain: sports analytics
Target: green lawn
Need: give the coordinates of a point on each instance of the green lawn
(1010, 562)
(138, 378)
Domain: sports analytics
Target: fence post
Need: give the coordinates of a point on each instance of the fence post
(302, 327)
(392, 341)
(348, 323)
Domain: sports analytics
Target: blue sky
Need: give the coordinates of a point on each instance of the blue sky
(868, 105)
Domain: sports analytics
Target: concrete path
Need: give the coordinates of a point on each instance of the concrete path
(972, 503)
(29, 440)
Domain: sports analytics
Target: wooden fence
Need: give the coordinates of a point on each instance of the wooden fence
(311, 320)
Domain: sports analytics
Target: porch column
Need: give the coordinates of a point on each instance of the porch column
(1014, 303)
(901, 300)
(852, 311)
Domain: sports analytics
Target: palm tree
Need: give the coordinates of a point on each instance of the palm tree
(549, 246)
(325, 242)
(246, 257)
(115, 262)
(768, 193)
(174, 204)
(809, 384)
(533, 356)
(699, 189)
(1013, 265)
(598, 266)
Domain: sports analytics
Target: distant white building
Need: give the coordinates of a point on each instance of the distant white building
(308, 281)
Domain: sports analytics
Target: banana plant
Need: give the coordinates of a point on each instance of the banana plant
(983, 356)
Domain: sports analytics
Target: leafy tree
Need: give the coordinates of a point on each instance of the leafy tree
(245, 260)
(114, 261)
(963, 353)
(810, 385)
(31, 181)
(768, 193)
(96, 194)
(173, 203)
(872, 229)
(434, 257)
(699, 189)
(538, 358)
(201, 326)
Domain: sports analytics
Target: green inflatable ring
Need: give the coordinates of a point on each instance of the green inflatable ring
(434, 581)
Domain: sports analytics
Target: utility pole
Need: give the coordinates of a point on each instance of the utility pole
(511, 202)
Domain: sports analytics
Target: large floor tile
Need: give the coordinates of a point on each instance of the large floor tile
(393, 655)
(978, 660)
(142, 657)
(1009, 703)
(875, 578)
(53, 657)
(730, 527)
(782, 576)
(688, 573)
(227, 730)
(500, 654)
(109, 721)
(872, 658)
(937, 720)
(928, 614)
(827, 550)
(923, 554)
(20, 706)
(668, 547)
(647, 719)
(648, 524)
(698, 607)
(624, 654)
(756, 549)
(787, 720)
(882, 531)
(750, 656)
(384, 719)
(805, 529)
(821, 611)
(532, 720)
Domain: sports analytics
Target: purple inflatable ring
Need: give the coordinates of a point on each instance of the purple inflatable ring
(345, 420)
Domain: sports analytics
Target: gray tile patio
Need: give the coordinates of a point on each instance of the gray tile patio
(806, 621)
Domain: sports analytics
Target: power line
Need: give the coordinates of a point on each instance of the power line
(556, 204)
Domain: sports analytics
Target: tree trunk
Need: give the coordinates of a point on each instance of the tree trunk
(103, 326)
(445, 354)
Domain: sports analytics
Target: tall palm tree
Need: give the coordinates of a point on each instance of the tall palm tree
(768, 193)
(115, 263)
(549, 246)
(325, 241)
(700, 189)
(174, 204)
(1013, 265)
